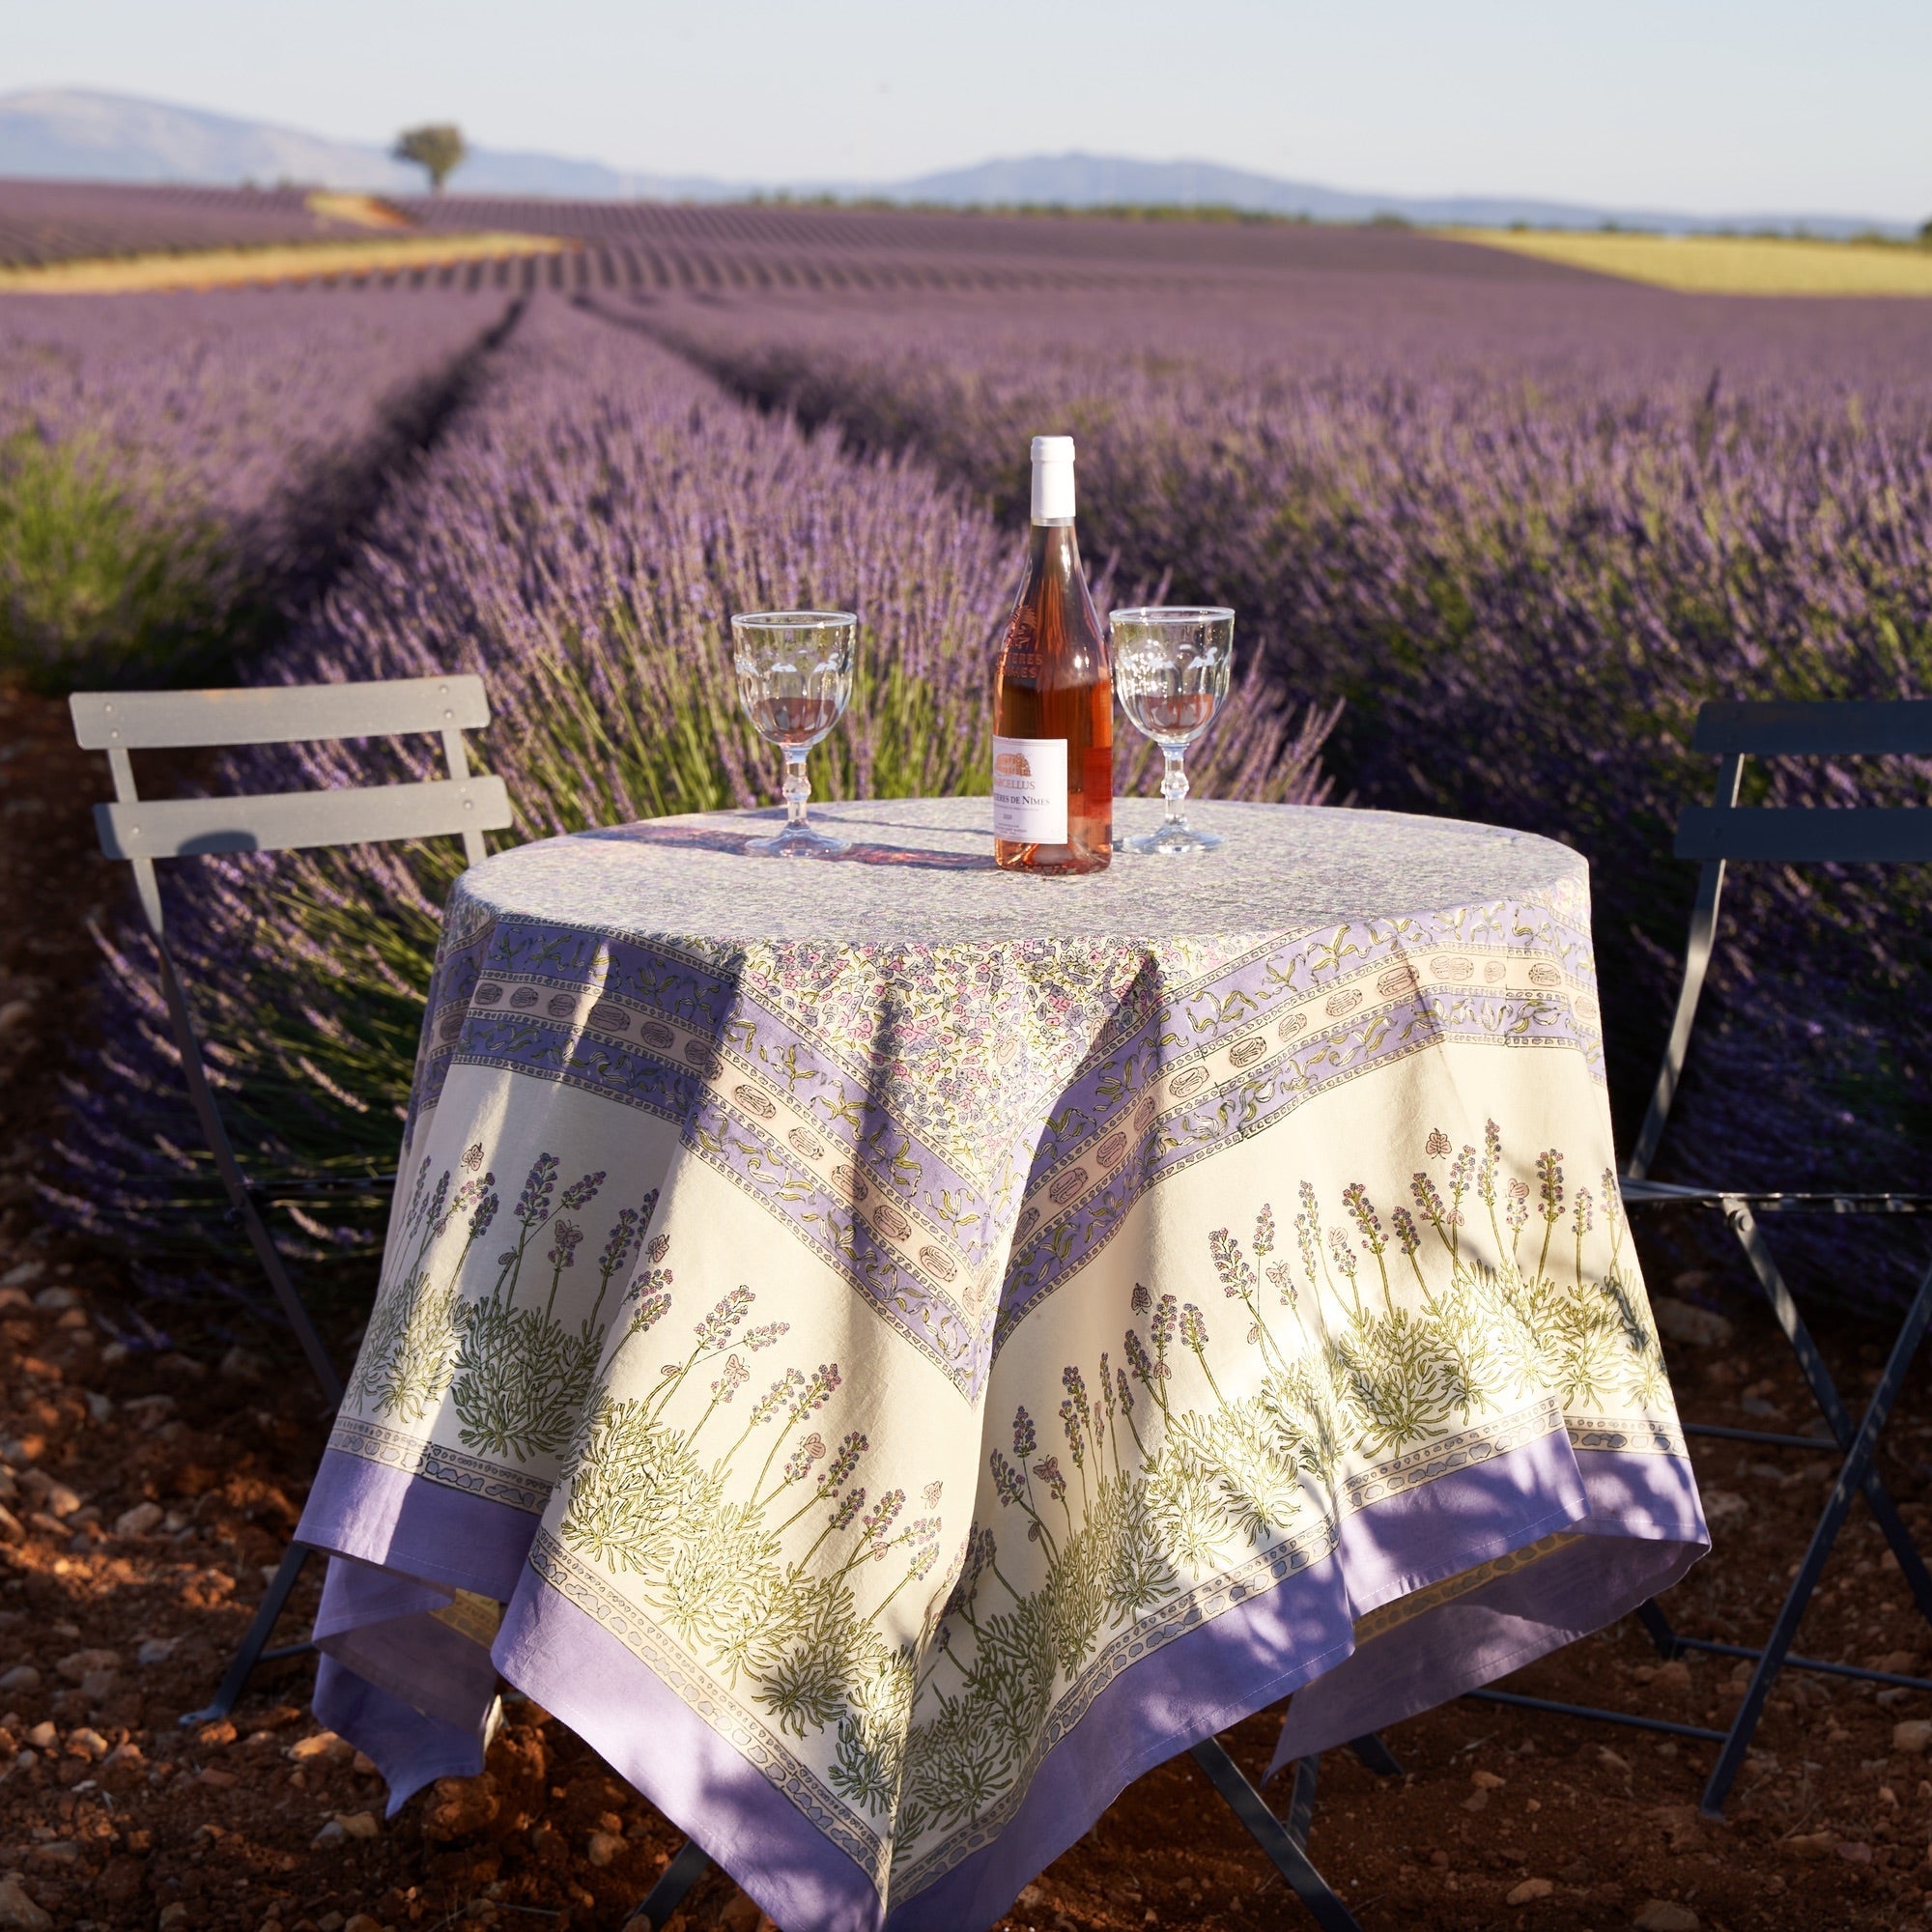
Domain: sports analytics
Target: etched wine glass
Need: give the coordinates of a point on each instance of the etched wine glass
(795, 676)
(1171, 666)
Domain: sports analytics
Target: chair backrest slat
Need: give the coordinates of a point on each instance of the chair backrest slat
(1723, 830)
(1800, 835)
(277, 714)
(293, 821)
(1891, 728)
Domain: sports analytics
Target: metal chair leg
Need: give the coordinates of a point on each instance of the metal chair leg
(1301, 1800)
(674, 1882)
(1851, 1477)
(1659, 1626)
(1274, 1838)
(1824, 1393)
(1375, 1755)
(253, 1649)
(187, 1044)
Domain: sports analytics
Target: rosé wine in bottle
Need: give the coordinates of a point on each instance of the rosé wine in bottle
(1053, 699)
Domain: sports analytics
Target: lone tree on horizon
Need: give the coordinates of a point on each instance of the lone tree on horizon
(437, 147)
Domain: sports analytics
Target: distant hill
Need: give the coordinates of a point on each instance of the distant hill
(1100, 181)
(72, 135)
(75, 134)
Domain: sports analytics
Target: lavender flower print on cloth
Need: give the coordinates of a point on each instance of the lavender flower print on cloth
(887, 1354)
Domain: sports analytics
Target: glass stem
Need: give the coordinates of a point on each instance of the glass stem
(797, 787)
(1173, 782)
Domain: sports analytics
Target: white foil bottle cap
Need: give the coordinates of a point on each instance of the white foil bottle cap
(1053, 479)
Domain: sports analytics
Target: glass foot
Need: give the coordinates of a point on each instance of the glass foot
(799, 842)
(1175, 840)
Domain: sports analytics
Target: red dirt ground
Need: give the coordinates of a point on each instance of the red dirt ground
(113, 1624)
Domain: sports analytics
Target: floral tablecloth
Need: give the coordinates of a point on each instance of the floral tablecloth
(887, 1351)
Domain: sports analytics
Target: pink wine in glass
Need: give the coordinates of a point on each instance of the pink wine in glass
(793, 721)
(1053, 699)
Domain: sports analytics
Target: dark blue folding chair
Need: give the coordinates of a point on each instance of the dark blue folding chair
(1716, 834)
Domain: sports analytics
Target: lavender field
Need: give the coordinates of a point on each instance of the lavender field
(57, 221)
(1523, 533)
(1515, 522)
(178, 473)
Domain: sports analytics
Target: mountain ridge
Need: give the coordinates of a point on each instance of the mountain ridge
(84, 134)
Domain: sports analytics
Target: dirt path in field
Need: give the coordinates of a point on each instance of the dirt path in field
(147, 1492)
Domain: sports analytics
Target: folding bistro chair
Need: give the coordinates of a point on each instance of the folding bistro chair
(142, 831)
(1717, 834)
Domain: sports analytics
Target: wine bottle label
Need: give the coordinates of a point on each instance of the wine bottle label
(1030, 790)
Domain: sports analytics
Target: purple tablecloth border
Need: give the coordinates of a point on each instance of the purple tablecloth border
(1641, 1528)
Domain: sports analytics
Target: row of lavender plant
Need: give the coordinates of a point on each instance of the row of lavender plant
(177, 468)
(1524, 532)
(580, 536)
(65, 220)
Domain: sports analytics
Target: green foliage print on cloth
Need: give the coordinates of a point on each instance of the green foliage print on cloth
(1171, 1479)
(731, 1505)
(744, 1526)
(749, 1562)
(516, 1376)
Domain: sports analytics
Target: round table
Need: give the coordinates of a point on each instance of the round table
(888, 1351)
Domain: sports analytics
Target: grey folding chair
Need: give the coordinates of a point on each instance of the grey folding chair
(143, 831)
(1719, 833)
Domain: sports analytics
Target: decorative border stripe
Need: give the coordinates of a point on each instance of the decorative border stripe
(1417, 1603)
(434, 1462)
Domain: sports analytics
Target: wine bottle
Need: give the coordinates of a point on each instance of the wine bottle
(1053, 699)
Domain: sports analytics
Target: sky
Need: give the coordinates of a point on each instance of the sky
(1708, 106)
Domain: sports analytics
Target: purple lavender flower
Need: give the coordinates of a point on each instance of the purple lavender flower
(1237, 1278)
(844, 1459)
(533, 1203)
(565, 1239)
(581, 1193)
(715, 1328)
(622, 1240)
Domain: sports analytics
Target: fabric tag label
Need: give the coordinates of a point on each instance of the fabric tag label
(1030, 790)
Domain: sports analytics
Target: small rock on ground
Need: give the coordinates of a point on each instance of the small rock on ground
(18, 1911)
(1662, 1915)
(1684, 1322)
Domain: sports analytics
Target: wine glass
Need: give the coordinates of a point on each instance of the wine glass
(1171, 666)
(795, 675)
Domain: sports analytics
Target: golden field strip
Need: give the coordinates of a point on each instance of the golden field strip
(279, 262)
(1725, 265)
